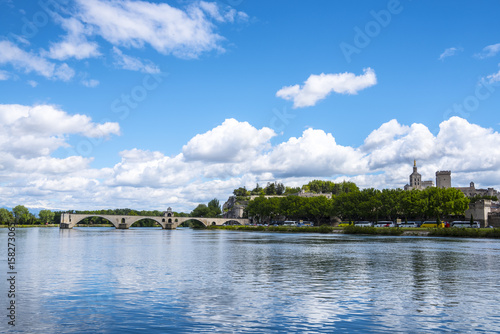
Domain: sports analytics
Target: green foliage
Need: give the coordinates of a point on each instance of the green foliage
(46, 216)
(241, 192)
(476, 198)
(368, 204)
(21, 214)
(6, 216)
(318, 186)
(212, 210)
(466, 232)
(352, 229)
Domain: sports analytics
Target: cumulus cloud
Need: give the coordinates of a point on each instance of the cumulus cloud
(230, 155)
(32, 131)
(230, 141)
(315, 153)
(318, 87)
(449, 52)
(11, 54)
(488, 51)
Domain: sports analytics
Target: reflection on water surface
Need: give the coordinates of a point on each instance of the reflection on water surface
(114, 281)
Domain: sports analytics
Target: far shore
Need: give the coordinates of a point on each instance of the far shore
(492, 233)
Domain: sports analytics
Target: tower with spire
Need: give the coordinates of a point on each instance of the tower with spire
(416, 180)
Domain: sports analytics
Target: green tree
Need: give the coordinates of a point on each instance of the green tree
(257, 190)
(214, 208)
(201, 210)
(6, 216)
(46, 216)
(241, 192)
(317, 208)
(21, 214)
(270, 189)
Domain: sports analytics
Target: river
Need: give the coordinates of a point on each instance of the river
(103, 280)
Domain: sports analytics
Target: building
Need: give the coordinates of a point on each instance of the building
(471, 191)
(443, 179)
(416, 180)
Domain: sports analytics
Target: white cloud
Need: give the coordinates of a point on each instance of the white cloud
(230, 155)
(133, 64)
(488, 51)
(168, 30)
(495, 77)
(33, 131)
(32, 83)
(315, 153)
(318, 87)
(74, 44)
(449, 52)
(30, 62)
(231, 141)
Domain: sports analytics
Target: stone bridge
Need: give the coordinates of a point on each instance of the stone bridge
(167, 221)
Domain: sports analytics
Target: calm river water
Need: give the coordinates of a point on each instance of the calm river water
(103, 280)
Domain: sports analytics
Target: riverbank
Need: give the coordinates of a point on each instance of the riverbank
(57, 225)
(436, 232)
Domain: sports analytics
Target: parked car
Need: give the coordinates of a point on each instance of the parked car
(344, 224)
(290, 223)
(363, 223)
(464, 224)
(409, 224)
(384, 223)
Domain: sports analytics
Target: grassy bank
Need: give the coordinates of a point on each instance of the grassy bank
(25, 226)
(296, 229)
(57, 225)
(352, 229)
(437, 232)
(466, 232)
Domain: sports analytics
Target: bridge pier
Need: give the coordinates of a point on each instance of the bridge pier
(169, 226)
(122, 226)
(64, 226)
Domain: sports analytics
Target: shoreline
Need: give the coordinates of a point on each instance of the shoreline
(481, 233)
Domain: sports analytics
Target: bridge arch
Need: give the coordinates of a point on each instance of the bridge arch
(76, 219)
(231, 222)
(183, 220)
(158, 221)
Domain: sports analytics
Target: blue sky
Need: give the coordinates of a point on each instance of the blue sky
(150, 104)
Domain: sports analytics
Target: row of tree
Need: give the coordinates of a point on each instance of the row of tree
(21, 215)
(367, 204)
(315, 186)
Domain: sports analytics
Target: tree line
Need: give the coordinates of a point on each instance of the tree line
(315, 186)
(21, 215)
(367, 204)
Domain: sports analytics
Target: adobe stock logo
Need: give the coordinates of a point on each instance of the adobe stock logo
(363, 37)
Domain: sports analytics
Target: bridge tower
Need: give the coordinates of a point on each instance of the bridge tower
(168, 219)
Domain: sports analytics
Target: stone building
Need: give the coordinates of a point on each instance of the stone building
(471, 191)
(443, 179)
(416, 180)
